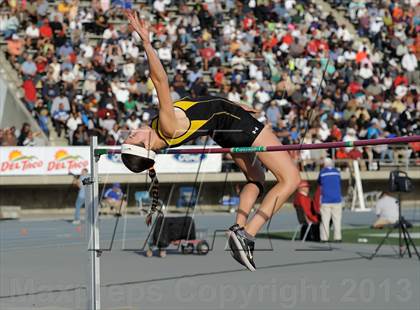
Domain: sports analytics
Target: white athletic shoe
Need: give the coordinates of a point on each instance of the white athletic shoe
(242, 249)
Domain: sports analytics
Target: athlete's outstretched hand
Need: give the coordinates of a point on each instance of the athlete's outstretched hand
(140, 25)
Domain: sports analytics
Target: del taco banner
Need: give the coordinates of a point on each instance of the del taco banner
(43, 160)
(65, 160)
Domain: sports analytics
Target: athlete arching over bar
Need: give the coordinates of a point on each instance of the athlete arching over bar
(230, 125)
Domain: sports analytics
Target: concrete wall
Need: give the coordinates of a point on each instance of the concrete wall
(62, 196)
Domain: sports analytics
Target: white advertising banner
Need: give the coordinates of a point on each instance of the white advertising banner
(43, 160)
(65, 160)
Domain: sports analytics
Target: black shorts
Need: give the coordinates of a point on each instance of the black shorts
(239, 130)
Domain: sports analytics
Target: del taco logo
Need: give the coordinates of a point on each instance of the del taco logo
(18, 161)
(64, 160)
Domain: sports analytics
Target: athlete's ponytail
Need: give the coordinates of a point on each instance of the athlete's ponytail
(154, 191)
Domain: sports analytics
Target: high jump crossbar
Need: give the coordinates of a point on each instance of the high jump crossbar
(276, 148)
(92, 191)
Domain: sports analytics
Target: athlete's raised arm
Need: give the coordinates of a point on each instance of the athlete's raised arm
(167, 119)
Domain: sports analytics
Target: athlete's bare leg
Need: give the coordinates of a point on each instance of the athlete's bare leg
(286, 173)
(254, 172)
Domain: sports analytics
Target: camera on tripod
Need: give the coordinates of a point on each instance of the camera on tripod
(400, 182)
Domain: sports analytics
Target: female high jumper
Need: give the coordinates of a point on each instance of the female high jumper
(229, 125)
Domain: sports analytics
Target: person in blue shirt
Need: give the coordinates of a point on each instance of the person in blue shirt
(80, 200)
(113, 199)
(329, 180)
(374, 130)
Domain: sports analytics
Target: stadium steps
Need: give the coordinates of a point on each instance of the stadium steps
(341, 19)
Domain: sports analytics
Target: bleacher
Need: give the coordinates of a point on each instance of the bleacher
(310, 17)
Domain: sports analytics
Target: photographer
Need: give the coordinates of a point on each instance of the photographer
(80, 200)
(386, 210)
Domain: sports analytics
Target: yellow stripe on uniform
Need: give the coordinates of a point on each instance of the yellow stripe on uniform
(195, 126)
(185, 105)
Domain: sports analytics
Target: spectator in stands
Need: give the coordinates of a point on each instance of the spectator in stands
(275, 51)
(30, 93)
(386, 210)
(32, 35)
(15, 47)
(80, 136)
(43, 121)
(410, 63)
(45, 31)
(160, 7)
(100, 21)
(60, 117)
(9, 137)
(273, 113)
(24, 131)
(113, 200)
(42, 8)
(350, 137)
(116, 134)
(30, 138)
(28, 67)
(74, 121)
(61, 99)
(329, 180)
(10, 26)
(133, 122)
(81, 194)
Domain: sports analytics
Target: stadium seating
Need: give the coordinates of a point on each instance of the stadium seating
(295, 63)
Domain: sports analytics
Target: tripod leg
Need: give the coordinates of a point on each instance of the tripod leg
(412, 243)
(381, 243)
(405, 233)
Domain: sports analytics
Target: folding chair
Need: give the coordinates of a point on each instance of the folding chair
(302, 221)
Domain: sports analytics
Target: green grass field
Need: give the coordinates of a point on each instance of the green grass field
(352, 235)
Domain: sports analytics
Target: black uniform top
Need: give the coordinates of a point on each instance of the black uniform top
(225, 122)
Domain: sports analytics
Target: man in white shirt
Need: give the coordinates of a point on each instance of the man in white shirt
(110, 32)
(251, 88)
(165, 53)
(129, 69)
(68, 76)
(386, 210)
(350, 137)
(107, 123)
(262, 96)
(376, 25)
(160, 7)
(365, 72)
(87, 50)
(129, 48)
(89, 85)
(133, 122)
(121, 92)
(32, 32)
(238, 61)
(72, 122)
(410, 64)
(234, 96)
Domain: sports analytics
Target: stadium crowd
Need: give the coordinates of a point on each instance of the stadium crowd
(83, 69)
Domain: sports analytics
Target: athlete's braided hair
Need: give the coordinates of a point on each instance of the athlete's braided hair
(154, 191)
